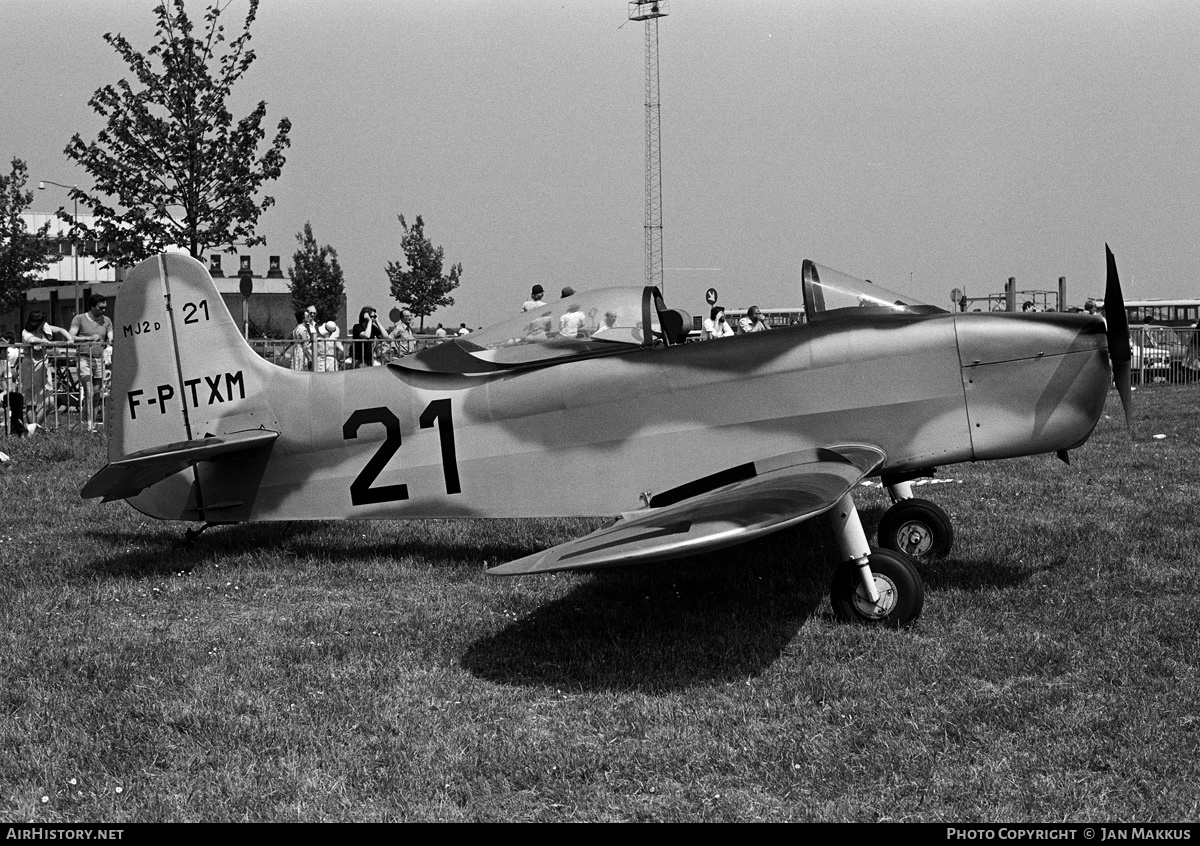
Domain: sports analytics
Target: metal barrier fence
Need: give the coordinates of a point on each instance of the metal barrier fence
(57, 386)
(1165, 354)
(323, 355)
(41, 384)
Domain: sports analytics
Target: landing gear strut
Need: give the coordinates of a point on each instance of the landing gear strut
(875, 587)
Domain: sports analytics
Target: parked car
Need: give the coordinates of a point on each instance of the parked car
(1151, 354)
(1179, 343)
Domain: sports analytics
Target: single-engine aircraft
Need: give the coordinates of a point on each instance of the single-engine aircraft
(690, 446)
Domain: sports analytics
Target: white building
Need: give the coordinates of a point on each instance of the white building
(73, 278)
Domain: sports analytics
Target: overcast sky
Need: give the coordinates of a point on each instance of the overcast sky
(953, 143)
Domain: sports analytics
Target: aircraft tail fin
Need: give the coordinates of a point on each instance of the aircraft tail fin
(186, 387)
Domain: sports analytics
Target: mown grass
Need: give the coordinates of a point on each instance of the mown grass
(343, 671)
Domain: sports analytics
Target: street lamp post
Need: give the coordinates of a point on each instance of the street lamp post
(74, 242)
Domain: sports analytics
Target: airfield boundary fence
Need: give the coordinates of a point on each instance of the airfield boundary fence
(46, 377)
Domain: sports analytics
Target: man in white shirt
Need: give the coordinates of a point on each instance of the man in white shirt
(570, 325)
(402, 334)
(94, 326)
(753, 321)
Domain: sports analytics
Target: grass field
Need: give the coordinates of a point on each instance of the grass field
(341, 671)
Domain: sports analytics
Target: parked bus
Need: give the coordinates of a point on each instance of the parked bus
(1163, 312)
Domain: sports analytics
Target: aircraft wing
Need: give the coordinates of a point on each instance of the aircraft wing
(137, 471)
(727, 508)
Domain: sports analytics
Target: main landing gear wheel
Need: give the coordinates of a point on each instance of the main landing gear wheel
(918, 528)
(901, 591)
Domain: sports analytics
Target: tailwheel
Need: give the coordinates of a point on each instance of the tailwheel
(899, 584)
(918, 528)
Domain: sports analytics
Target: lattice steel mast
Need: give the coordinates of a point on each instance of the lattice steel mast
(650, 11)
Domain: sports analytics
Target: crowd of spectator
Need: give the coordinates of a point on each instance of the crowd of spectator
(320, 346)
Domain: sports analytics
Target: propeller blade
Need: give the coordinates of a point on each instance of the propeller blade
(1120, 352)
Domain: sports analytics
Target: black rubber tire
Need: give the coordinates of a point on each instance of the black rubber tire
(918, 528)
(902, 591)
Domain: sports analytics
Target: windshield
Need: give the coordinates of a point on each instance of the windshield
(830, 293)
(588, 323)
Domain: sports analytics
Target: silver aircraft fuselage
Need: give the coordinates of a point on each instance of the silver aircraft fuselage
(599, 436)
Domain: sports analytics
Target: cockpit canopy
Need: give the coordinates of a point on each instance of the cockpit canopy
(599, 322)
(609, 321)
(830, 294)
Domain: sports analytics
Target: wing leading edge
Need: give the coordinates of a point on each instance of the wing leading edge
(763, 497)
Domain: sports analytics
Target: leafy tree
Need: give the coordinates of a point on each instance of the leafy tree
(316, 277)
(174, 166)
(422, 287)
(23, 254)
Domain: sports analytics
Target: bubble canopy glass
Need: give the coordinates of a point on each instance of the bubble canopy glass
(830, 294)
(599, 322)
(607, 321)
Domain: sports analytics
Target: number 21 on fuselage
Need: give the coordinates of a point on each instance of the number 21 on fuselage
(362, 491)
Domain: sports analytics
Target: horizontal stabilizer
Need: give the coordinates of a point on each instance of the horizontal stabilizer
(769, 495)
(130, 475)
